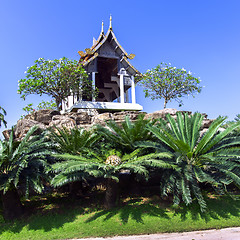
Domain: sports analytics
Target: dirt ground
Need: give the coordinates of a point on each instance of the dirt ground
(214, 234)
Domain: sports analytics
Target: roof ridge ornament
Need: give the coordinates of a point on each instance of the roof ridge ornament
(102, 31)
(110, 24)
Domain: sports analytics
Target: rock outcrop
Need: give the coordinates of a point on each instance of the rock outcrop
(49, 118)
(24, 125)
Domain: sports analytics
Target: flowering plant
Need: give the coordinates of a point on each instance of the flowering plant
(167, 82)
(57, 78)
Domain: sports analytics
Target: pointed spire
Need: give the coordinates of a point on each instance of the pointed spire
(110, 24)
(102, 31)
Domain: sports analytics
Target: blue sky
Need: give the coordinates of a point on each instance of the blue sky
(201, 36)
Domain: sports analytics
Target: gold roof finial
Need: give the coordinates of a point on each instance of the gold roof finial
(110, 25)
(102, 31)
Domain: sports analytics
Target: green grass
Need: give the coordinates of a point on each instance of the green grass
(59, 218)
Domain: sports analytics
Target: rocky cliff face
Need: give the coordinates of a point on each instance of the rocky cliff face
(49, 118)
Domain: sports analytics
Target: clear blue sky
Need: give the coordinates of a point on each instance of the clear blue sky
(201, 36)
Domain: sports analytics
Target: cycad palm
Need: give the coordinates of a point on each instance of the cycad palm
(101, 164)
(212, 158)
(21, 164)
(125, 135)
(2, 115)
(73, 141)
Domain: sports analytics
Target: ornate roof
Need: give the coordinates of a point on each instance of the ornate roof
(108, 39)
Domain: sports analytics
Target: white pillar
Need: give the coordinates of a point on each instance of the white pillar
(75, 99)
(121, 89)
(127, 96)
(93, 86)
(133, 91)
(70, 100)
(63, 106)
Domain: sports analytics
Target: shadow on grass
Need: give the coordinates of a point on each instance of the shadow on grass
(133, 209)
(223, 207)
(47, 213)
(52, 213)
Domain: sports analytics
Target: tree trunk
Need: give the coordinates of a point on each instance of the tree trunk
(12, 206)
(58, 103)
(76, 189)
(165, 103)
(111, 195)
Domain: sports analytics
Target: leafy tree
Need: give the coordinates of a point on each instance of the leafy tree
(57, 78)
(3, 113)
(212, 158)
(21, 165)
(167, 82)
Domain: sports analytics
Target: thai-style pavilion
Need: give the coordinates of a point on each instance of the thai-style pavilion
(108, 66)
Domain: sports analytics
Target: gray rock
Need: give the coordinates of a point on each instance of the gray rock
(45, 115)
(80, 117)
(206, 123)
(6, 134)
(120, 116)
(102, 118)
(161, 113)
(49, 118)
(24, 125)
(62, 121)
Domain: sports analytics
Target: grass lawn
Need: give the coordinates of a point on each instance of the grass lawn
(59, 217)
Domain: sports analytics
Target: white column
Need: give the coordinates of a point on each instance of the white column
(75, 98)
(70, 100)
(93, 86)
(127, 96)
(63, 105)
(121, 89)
(133, 91)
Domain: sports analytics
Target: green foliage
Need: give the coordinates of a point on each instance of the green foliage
(212, 158)
(124, 136)
(47, 105)
(77, 167)
(75, 141)
(167, 82)
(84, 153)
(230, 123)
(22, 163)
(57, 78)
(3, 113)
(29, 109)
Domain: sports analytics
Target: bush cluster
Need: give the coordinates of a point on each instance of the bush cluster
(183, 157)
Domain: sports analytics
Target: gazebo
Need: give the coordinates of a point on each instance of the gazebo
(110, 71)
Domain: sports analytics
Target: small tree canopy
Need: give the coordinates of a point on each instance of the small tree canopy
(167, 82)
(56, 78)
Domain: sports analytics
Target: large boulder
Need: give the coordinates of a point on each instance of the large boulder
(50, 118)
(81, 118)
(120, 116)
(43, 116)
(23, 125)
(102, 118)
(161, 113)
(62, 121)
(6, 133)
(164, 112)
